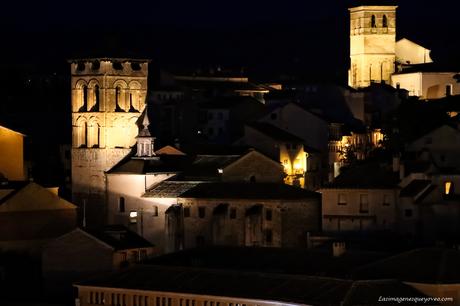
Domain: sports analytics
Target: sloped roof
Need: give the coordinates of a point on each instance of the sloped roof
(33, 197)
(206, 166)
(260, 286)
(118, 237)
(366, 176)
(431, 266)
(248, 191)
(274, 132)
(169, 189)
(163, 163)
(169, 150)
(414, 188)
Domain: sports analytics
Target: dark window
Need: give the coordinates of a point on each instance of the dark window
(85, 97)
(373, 22)
(449, 90)
(288, 146)
(268, 236)
(386, 200)
(186, 212)
(199, 241)
(96, 98)
(252, 179)
(155, 211)
(342, 199)
(121, 204)
(363, 203)
(408, 213)
(95, 65)
(232, 213)
(117, 66)
(273, 116)
(117, 97)
(135, 66)
(201, 212)
(268, 215)
(385, 21)
(81, 66)
(210, 131)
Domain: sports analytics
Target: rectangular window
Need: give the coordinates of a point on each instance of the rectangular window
(342, 199)
(133, 217)
(121, 204)
(201, 212)
(448, 188)
(364, 203)
(134, 256)
(268, 215)
(386, 200)
(269, 236)
(135, 300)
(186, 212)
(143, 254)
(408, 213)
(232, 213)
(155, 211)
(157, 301)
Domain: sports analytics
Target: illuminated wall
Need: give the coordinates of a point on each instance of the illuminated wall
(427, 85)
(372, 44)
(408, 52)
(12, 154)
(108, 96)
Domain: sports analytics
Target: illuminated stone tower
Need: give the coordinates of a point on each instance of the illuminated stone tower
(108, 96)
(372, 45)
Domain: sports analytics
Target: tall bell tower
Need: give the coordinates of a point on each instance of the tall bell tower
(372, 45)
(108, 96)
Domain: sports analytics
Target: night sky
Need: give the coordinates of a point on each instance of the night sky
(265, 37)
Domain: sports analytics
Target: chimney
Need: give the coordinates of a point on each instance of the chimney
(338, 249)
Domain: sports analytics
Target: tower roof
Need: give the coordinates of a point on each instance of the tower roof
(373, 3)
(145, 125)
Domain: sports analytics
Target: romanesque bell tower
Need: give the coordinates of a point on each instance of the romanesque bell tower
(372, 45)
(108, 96)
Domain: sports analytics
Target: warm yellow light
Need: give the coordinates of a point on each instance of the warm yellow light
(133, 214)
(447, 187)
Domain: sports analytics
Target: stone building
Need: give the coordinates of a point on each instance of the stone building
(108, 96)
(31, 215)
(179, 286)
(93, 251)
(362, 199)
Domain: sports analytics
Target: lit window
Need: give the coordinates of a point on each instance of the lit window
(133, 216)
(448, 188)
(220, 171)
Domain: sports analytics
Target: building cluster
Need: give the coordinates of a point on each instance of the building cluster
(215, 162)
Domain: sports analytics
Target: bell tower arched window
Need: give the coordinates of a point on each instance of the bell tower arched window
(96, 98)
(385, 21)
(373, 22)
(118, 107)
(84, 98)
